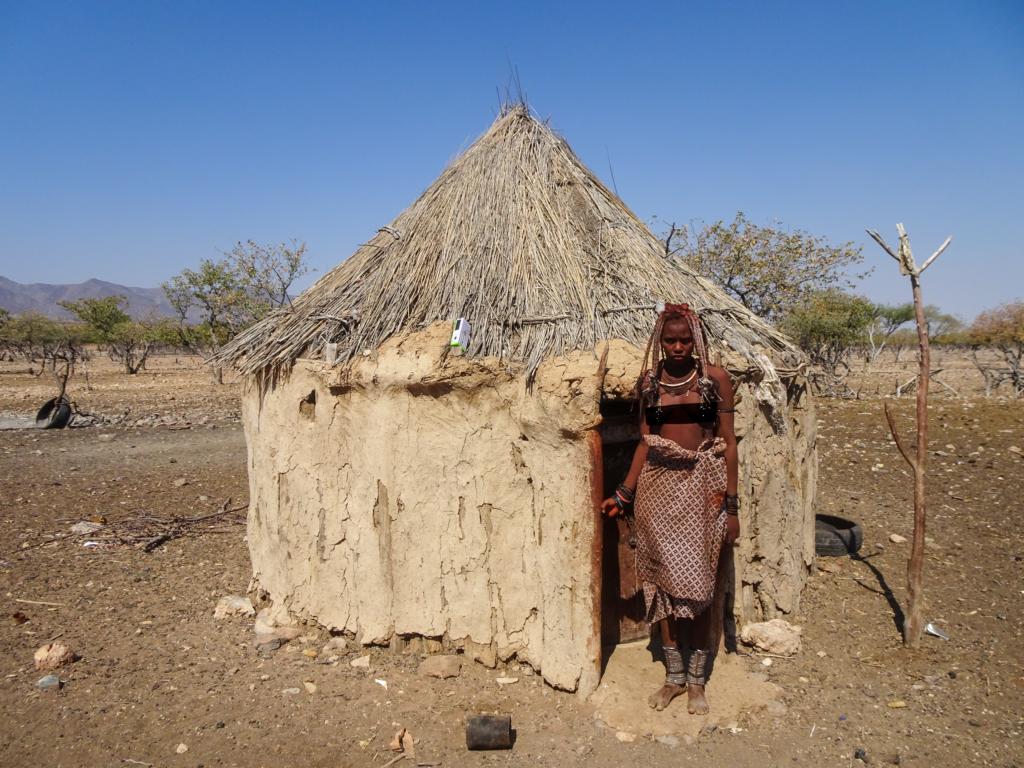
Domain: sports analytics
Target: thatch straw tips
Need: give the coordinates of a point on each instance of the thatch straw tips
(520, 238)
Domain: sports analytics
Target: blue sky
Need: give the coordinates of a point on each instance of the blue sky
(139, 137)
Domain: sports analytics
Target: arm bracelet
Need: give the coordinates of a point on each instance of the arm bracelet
(625, 493)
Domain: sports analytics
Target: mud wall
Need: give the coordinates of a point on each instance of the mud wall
(778, 477)
(422, 497)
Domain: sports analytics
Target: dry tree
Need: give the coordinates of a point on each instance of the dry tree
(915, 567)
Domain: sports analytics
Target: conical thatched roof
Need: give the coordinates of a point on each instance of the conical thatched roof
(522, 240)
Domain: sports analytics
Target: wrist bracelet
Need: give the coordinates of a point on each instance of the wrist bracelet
(624, 496)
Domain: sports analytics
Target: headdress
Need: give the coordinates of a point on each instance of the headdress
(653, 354)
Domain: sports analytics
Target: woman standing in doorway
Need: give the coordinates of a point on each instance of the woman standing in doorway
(682, 483)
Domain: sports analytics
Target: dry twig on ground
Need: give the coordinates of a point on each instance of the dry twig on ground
(151, 532)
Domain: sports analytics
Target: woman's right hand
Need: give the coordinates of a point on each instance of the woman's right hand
(610, 507)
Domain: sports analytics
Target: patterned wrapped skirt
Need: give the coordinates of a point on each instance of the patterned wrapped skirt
(680, 526)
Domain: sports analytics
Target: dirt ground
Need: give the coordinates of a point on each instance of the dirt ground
(157, 671)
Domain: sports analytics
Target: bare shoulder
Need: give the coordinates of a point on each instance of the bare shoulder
(723, 383)
(719, 375)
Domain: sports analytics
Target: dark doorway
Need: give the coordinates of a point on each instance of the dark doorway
(621, 599)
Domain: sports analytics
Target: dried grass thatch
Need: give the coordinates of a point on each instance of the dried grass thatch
(521, 239)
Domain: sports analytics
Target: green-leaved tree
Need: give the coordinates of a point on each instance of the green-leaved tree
(34, 337)
(229, 294)
(127, 341)
(827, 325)
(767, 268)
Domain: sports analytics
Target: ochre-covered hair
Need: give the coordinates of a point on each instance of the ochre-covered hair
(654, 354)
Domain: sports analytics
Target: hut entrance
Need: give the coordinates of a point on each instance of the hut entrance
(622, 602)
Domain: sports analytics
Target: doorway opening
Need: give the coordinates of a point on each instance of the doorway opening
(622, 603)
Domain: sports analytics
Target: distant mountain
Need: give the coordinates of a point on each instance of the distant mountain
(43, 297)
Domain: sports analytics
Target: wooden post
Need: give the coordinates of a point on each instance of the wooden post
(597, 543)
(915, 567)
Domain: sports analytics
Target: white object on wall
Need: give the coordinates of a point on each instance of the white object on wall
(460, 333)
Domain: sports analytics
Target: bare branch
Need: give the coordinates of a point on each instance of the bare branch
(935, 255)
(885, 246)
(896, 437)
(944, 384)
(668, 240)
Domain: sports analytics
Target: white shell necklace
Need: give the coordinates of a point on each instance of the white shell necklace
(679, 384)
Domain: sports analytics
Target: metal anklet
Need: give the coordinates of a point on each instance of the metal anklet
(675, 667)
(696, 669)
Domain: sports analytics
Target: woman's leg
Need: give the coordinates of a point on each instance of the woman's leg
(675, 666)
(699, 662)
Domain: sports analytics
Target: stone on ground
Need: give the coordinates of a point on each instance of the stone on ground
(85, 527)
(441, 666)
(776, 708)
(274, 627)
(233, 605)
(266, 647)
(776, 636)
(48, 683)
(53, 656)
(334, 647)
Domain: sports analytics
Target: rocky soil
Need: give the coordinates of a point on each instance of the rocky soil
(160, 681)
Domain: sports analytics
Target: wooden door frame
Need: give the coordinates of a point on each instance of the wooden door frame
(597, 545)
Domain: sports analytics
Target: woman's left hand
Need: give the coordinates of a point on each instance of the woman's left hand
(732, 529)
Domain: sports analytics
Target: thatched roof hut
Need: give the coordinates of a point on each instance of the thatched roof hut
(405, 493)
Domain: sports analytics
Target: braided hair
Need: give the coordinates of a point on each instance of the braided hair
(647, 384)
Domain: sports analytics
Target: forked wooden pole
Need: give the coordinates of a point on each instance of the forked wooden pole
(915, 567)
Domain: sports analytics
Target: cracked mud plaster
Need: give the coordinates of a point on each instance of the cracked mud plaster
(432, 496)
